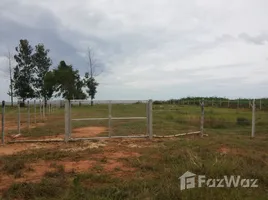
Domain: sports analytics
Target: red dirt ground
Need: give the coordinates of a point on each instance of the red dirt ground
(112, 166)
(105, 161)
(83, 132)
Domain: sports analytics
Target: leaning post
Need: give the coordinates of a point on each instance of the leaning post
(3, 122)
(202, 118)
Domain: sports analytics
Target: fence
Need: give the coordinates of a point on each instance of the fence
(261, 104)
(242, 116)
(77, 120)
(107, 119)
(26, 121)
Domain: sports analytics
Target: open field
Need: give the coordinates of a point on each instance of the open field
(167, 119)
(134, 168)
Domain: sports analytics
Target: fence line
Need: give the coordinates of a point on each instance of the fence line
(3, 122)
(253, 118)
(68, 120)
(49, 108)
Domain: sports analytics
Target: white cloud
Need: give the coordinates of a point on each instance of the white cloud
(160, 48)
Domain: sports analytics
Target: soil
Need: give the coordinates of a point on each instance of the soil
(105, 161)
(84, 132)
(88, 131)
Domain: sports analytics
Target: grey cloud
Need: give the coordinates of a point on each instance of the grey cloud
(260, 39)
(44, 32)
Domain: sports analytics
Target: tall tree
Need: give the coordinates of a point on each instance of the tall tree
(10, 69)
(42, 63)
(91, 86)
(49, 85)
(90, 77)
(23, 76)
(68, 83)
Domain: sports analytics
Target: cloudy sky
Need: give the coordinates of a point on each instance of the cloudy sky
(157, 49)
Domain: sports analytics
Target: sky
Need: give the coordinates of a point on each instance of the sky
(153, 49)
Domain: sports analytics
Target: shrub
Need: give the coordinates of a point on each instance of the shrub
(242, 121)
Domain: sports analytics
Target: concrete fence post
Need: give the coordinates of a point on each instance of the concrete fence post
(147, 118)
(44, 110)
(28, 115)
(66, 112)
(40, 108)
(202, 118)
(150, 124)
(70, 119)
(3, 122)
(253, 119)
(18, 117)
(34, 111)
(110, 118)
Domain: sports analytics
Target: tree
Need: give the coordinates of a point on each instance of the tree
(91, 85)
(79, 94)
(11, 84)
(23, 76)
(42, 63)
(93, 71)
(68, 83)
(49, 86)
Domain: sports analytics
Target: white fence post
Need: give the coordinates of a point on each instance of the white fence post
(202, 118)
(70, 119)
(66, 138)
(110, 118)
(40, 109)
(18, 116)
(253, 119)
(28, 116)
(3, 122)
(150, 124)
(147, 117)
(34, 111)
(44, 110)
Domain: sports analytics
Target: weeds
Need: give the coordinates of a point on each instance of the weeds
(13, 166)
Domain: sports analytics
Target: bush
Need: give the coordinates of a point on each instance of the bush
(242, 121)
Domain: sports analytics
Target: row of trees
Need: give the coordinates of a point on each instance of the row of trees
(33, 77)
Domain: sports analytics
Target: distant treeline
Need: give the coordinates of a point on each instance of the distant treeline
(216, 101)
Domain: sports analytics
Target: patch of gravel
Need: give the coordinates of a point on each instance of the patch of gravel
(86, 145)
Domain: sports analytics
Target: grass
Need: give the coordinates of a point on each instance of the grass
(161, 162)
(157, 177)
(182, 118)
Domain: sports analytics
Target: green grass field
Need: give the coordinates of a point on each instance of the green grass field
(137, 168)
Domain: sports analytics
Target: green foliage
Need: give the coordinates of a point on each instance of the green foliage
(12, 166)
(68, 83)
(91, 85)
(49, 85)
(43, 82)
(24, 71)
(242, 121)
